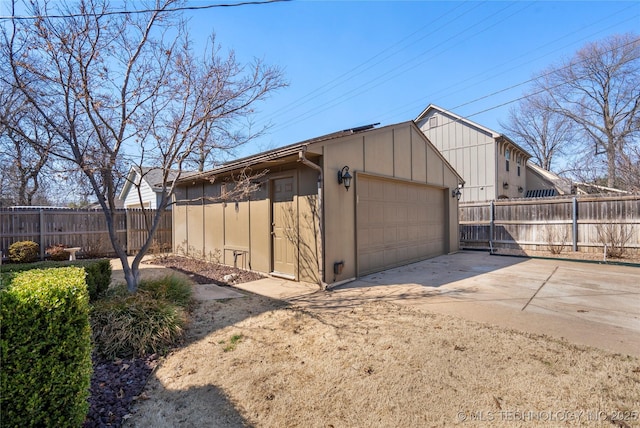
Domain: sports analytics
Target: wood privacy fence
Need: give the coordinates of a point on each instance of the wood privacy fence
(581, 223)
(86, 229)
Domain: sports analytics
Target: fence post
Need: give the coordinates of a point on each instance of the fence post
(129, 234)
(41, 234)
(575, 224)
(492, 218)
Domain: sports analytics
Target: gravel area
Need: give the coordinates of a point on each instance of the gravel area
(115, 385)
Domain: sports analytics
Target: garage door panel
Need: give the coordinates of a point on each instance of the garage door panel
(403, 233)
(390, 213)
(376, 237)
(376, 213)
(390, 234)
(398, 223)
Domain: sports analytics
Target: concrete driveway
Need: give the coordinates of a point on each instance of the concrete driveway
(584, 303)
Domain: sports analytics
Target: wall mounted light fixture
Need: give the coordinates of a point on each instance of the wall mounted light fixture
(344, 177)
(456, 193)
(505, 185)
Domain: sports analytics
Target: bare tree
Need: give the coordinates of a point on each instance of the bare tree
(629, 169)
(125, 90)
(599, 90)
(543, 132)
(25, 144)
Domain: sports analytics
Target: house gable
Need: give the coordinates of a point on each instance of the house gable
(130, 196)
(492, 165)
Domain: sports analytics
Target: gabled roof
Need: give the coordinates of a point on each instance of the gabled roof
(279, 153)
(562, 186)
(494, 134)
(458, 118)
(294, 149)
(153, 176)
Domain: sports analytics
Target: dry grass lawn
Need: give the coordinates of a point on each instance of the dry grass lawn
(258, 362)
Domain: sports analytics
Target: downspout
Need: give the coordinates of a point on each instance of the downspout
(320, 240)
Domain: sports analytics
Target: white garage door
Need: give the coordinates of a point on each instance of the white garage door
(397, 223)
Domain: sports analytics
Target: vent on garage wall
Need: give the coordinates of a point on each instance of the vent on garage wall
(433, 121)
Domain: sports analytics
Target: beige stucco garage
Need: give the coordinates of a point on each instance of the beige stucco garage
(300, 223)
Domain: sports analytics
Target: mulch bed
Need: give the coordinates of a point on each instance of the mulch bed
(116, 385)
(202, 272)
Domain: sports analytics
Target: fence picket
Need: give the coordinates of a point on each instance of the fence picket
(535, 224)
(80, 228)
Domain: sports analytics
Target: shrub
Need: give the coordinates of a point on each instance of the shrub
(98, 272)
(46, 348)
(132, 325)
(24, 252)
(150, 321)
(58, 252)
(615, 237)
(170, 288)
(556, 237)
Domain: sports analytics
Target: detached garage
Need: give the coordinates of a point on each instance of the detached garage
(325, 210)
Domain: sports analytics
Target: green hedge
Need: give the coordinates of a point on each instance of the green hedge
(98, 272)
(46, 348)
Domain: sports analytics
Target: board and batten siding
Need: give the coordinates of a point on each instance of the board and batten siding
(238, 233)
(470, 150)
(398, 152)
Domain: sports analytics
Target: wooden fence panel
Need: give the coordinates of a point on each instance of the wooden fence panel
(86, 229)
(475, 225)
(585, 223)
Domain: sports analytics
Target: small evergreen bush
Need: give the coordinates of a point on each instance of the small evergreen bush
(45, 344)
(98, 272)
(24, 252)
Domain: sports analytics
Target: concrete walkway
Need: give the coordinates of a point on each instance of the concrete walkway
(584, 303)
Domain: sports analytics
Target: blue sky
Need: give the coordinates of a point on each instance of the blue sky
(352, 63)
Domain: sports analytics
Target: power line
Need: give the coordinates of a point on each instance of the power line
(367, 86)
(413, 105)
(137, 11)
(531, 94)
(344, 77)
(403, 68)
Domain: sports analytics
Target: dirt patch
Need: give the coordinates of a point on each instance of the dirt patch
(571, 255)
(259, 362)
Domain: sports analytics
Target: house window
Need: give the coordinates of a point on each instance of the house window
(519, 161)
(433, 121)
(507, 156)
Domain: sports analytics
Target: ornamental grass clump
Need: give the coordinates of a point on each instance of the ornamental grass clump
(152, 320)
(171, 288)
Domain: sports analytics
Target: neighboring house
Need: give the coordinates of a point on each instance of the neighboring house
(492, 165)
(149, 181)
(542, 183)
(302, 224)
